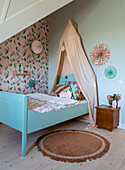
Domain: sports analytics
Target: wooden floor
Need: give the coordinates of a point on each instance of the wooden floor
(10, 151)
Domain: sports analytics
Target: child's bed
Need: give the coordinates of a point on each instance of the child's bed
(14, 113)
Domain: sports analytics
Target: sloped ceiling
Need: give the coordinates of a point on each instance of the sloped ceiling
(16, 15)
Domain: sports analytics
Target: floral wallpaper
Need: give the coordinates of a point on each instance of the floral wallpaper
(17, 50)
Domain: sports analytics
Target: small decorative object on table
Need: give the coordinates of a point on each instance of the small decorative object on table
(113, 100)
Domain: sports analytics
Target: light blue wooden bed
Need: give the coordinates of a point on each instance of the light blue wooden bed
(14, 113)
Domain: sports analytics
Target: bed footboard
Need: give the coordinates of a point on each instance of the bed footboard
(13, 112)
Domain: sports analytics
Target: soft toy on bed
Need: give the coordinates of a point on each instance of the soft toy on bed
(76, 92)
(73, 88)
(79, 95)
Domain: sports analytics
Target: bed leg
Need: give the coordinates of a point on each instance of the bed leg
(24, 127)
(24, 143)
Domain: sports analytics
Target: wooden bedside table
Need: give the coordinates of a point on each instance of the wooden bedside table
(107, 117)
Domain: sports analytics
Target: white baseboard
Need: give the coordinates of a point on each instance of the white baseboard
(121, 126)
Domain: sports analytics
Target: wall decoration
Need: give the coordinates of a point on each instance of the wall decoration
(31, 83)
(100, 54)
(17, 50)
(19, 68)
(110, 72)
(36, 47)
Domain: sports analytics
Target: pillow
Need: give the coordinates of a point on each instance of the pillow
(67, 94)
(60, 88)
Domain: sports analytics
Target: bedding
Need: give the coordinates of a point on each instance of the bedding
(43, 103)
(34, 103)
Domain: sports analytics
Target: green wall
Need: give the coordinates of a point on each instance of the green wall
(100, 21)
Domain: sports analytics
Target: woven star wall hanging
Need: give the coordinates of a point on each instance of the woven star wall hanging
(100, 54)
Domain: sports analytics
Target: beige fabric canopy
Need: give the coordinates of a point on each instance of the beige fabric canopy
(72, 59)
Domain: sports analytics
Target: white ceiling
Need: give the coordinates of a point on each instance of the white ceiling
(16, 15)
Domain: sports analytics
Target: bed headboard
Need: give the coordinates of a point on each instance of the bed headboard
(61, 80)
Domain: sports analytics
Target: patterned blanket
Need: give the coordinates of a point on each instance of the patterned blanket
(43, 106)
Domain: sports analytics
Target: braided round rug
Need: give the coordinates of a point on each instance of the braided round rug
(72, 145)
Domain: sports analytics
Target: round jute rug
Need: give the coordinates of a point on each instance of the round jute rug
(72, 145)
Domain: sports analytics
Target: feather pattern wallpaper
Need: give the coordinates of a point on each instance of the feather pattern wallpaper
(17, 49)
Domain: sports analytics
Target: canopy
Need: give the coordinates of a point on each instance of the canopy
(72, 59)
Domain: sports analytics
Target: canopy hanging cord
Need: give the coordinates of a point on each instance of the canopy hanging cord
(74, 23)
